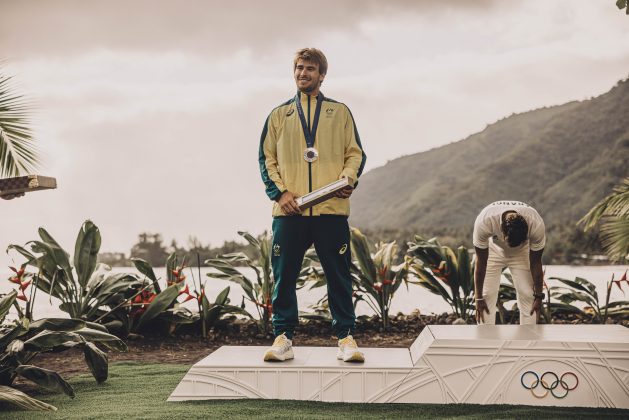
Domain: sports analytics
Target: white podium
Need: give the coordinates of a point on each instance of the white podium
(560, 365)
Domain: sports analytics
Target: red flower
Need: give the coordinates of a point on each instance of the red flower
(25, 284)
(190, 297)
(22, 297)
(387, 281)
(185, 291)
(378, 287)
(15, 280)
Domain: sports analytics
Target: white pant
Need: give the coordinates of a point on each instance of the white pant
(519, 266)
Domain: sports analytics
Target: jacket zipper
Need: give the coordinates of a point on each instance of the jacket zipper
(309, 163)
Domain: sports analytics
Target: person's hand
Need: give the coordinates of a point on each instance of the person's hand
(537, 308)
(11, 196)
(288, 204)
(481, 306)
(347, 191)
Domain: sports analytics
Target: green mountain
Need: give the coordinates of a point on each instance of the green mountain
(561, 160)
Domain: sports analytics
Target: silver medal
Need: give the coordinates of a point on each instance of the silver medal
(310, 154)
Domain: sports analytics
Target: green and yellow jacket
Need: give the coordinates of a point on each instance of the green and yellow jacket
(282, 146)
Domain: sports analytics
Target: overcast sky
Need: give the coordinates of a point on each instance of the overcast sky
(149, 112)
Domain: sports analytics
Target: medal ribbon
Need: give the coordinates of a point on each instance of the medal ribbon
(309, 135)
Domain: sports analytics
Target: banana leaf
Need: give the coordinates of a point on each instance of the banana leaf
(54, 250)
(145, 268)
(108, 340)
(6, 302)
(360, 250)
(45, 378)
(97, 361)
(13, 333)
(47, 340)
(21, 400)
(86, 250)
(253, 241)
(161, 302)
(58, 324)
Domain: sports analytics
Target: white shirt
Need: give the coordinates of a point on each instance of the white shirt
(487, 226)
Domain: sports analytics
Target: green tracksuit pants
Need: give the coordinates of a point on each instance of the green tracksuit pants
(292, 236)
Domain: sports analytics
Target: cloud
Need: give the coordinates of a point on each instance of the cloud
(72, 26)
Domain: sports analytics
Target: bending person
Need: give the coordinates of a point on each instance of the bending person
(509, 234)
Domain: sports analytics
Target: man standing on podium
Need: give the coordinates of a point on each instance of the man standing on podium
(308, 142)
(509, 234)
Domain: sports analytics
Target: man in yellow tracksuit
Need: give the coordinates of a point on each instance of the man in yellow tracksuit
(307, 143)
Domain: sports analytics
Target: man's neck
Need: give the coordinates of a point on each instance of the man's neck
(313, 93)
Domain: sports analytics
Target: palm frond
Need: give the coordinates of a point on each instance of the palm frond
(18, 152)
(615, 237)
(615, 204)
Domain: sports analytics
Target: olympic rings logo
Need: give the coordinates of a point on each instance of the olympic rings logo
(558, 383)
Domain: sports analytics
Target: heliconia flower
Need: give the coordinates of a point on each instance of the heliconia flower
(378, 287)
(137, 299)
(387, 281)
(22, 297)
(185, 291)
(190, 297)
(15, 280)
(25, 284)
(176, 273)
(152, 297)
(13, 269)
(182, 277)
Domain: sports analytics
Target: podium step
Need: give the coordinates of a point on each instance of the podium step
(561, 365)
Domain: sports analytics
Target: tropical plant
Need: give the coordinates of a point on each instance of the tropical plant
(153, 302)
(155, 305)
(23, 280)
(24, 340)
(376, 278)
(507, 293)
(258, 291)
(582, 290)
(613, 214)
(18, 153)
(445, 273)
(87, 290)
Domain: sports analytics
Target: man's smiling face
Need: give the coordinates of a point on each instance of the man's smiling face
(307, 76)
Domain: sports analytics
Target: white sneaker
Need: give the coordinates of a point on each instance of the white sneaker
(348, 351)
(282, 349)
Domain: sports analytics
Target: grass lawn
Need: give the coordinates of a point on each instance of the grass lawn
(136, 390)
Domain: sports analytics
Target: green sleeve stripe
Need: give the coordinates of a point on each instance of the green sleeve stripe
(271, 189)
(364, 159)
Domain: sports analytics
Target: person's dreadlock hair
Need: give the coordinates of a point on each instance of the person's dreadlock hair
(515, 229)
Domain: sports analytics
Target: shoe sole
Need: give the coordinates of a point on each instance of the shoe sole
(355, 357)
(270, 356)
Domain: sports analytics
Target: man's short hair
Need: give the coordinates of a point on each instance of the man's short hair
(515, 229)
(312, 55)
